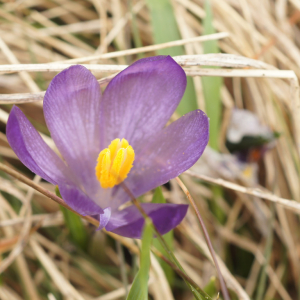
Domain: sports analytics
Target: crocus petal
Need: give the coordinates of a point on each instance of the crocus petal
(32, 151)
(78, 200)
(139, 101)
(72, 113)
(129, 222)
(104, 218)
(169, 153)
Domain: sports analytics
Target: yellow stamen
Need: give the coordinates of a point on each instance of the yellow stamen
(114, 163)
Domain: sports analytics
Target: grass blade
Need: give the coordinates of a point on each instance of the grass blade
(139, 288)
(165, 30)
(74, 223)
(158, 197)
(212, 85)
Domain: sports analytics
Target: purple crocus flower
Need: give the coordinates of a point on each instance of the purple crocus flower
(114, 137)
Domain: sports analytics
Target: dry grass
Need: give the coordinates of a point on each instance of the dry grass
(260, 60)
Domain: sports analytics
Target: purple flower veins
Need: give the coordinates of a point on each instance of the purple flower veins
(84, 123)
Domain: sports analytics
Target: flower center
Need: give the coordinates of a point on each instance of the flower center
(114, 163)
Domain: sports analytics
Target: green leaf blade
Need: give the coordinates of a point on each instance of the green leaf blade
(158, 197)
(165, 29)
(212, 85)
(139, 288)
(75, 225)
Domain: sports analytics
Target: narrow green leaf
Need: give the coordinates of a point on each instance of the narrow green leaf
(135, 32)
(213, 105)
(139, 288)
(212, 85)
(158, 197)
(74, 223)
(210, 288)
(164, 26)
(196, 290)
(165, 246)
(215, 207)
(165, 30)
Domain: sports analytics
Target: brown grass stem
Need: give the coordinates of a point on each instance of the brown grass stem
(207, 238)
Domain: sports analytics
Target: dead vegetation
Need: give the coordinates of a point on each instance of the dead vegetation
(260, 64)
